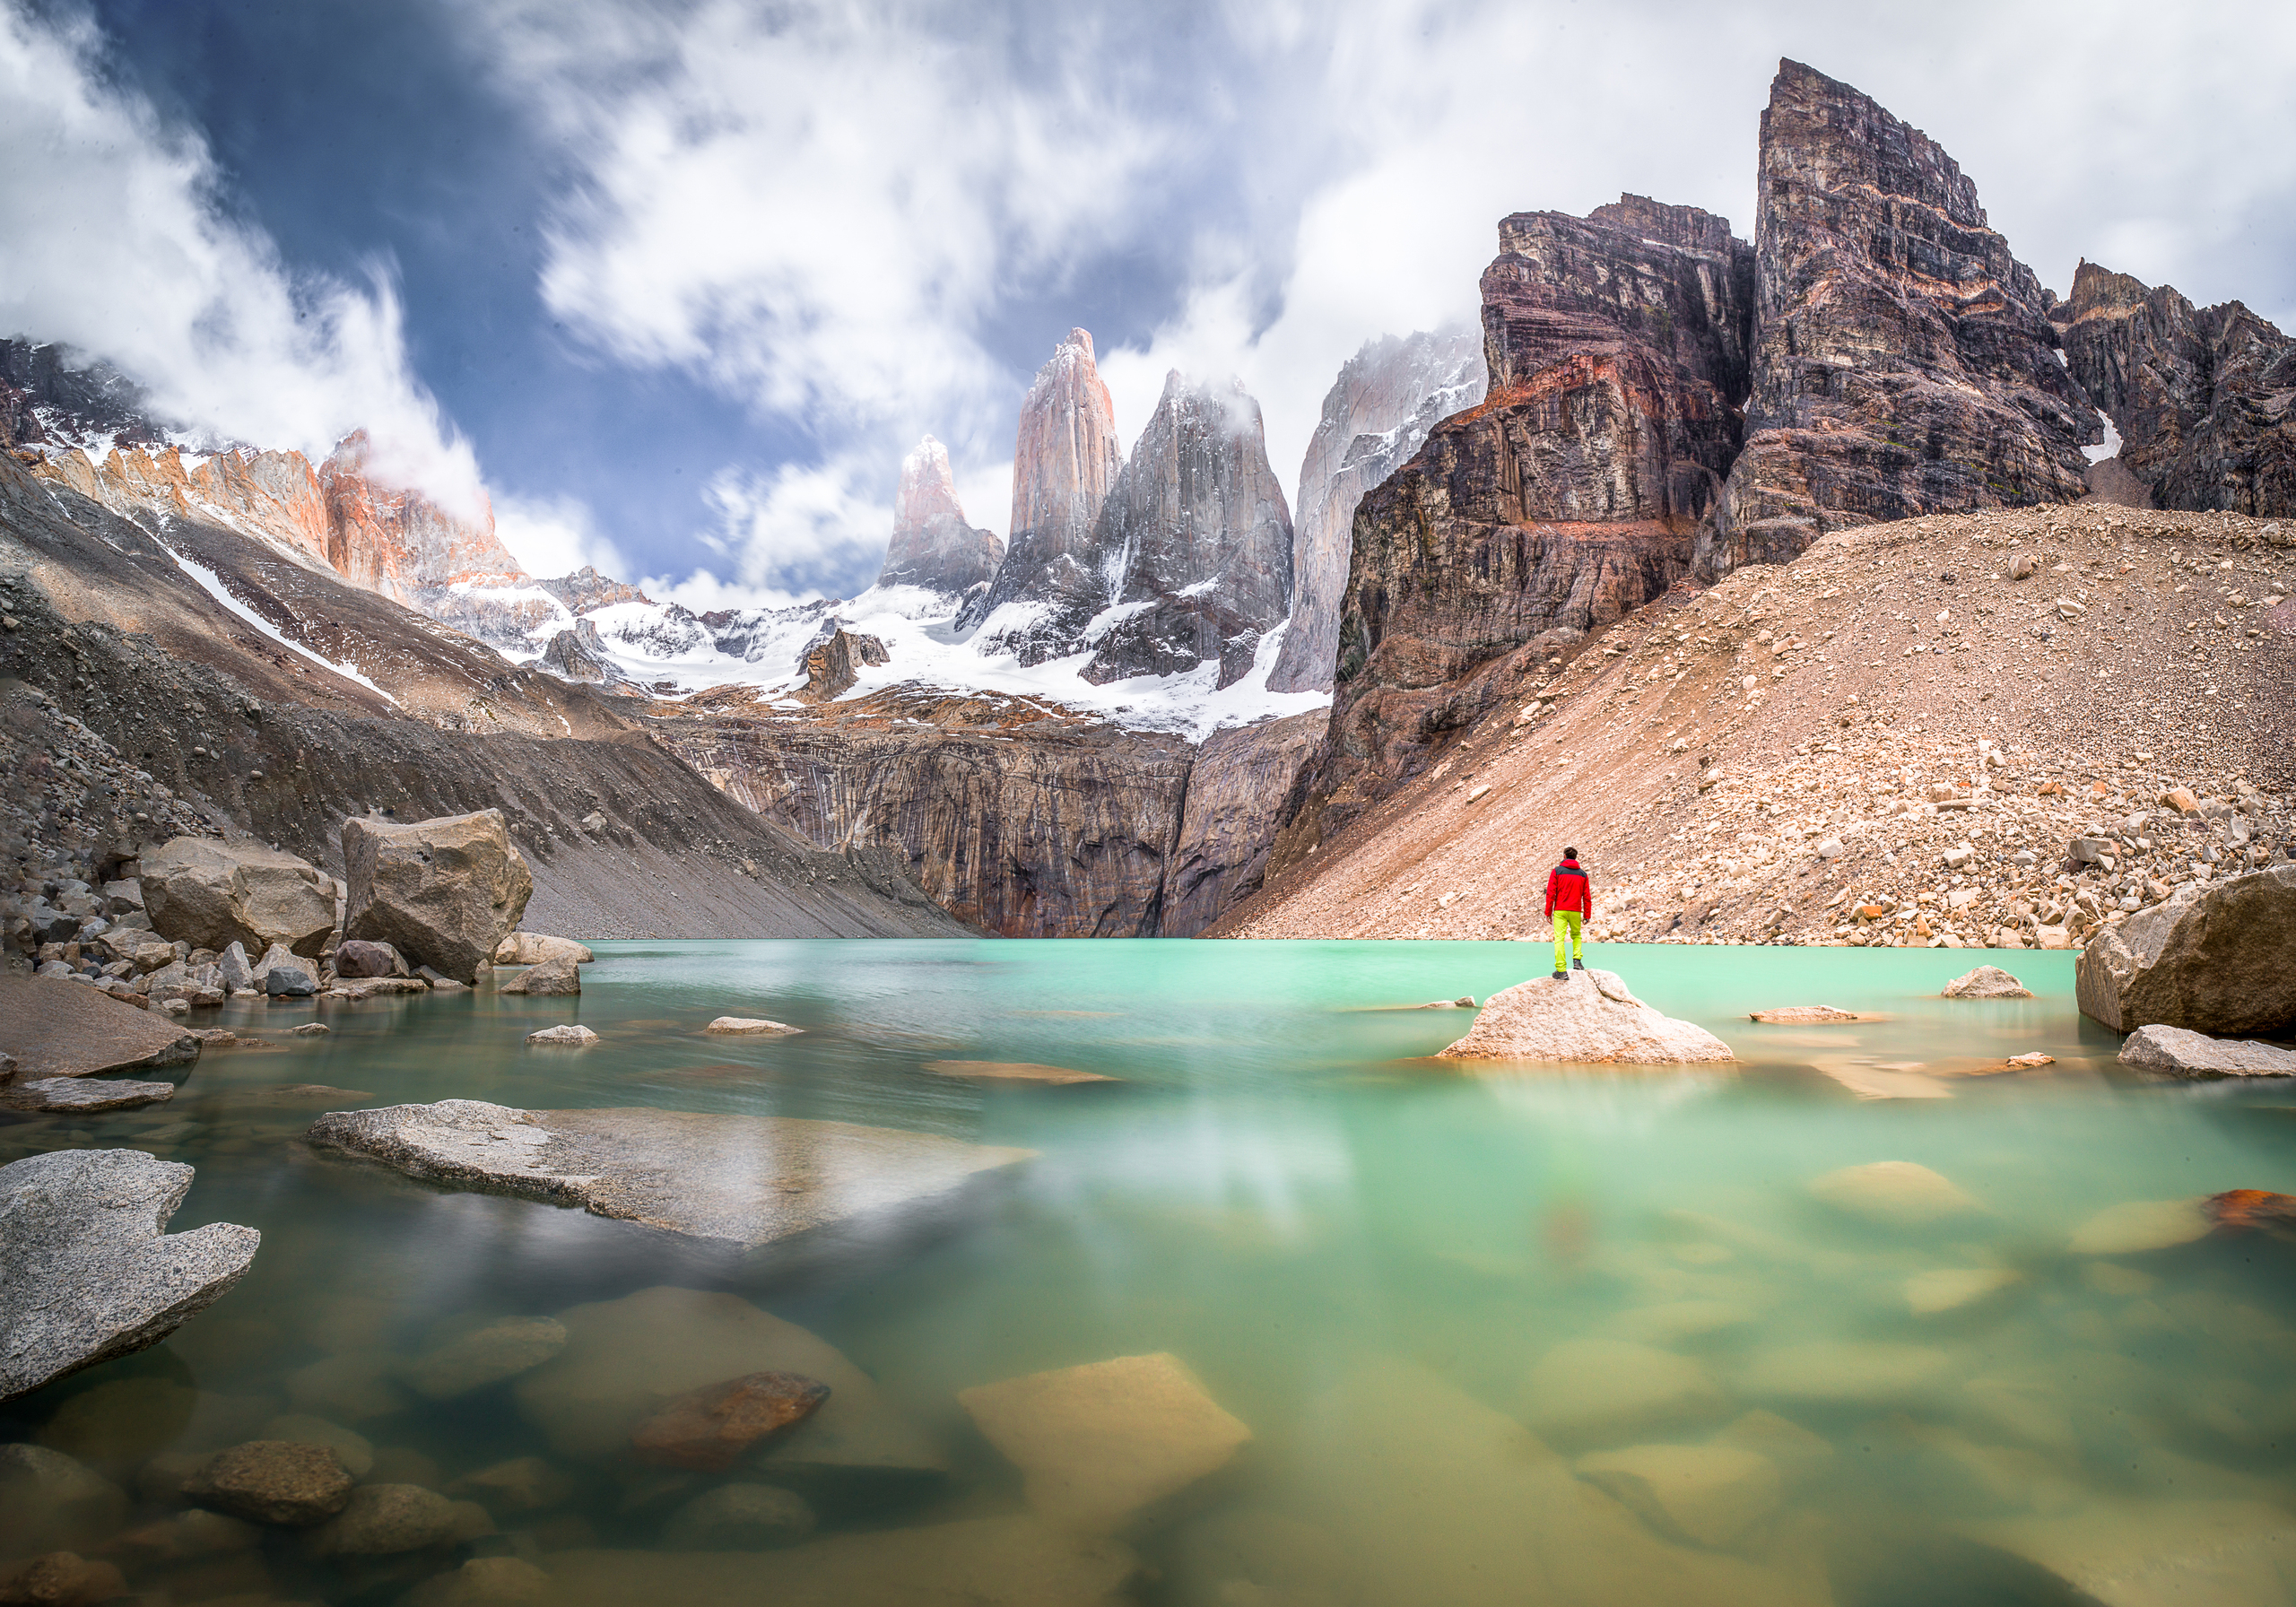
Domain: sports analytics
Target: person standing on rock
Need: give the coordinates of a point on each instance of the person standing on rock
(1569, 904)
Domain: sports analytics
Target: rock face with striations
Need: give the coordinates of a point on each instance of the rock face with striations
(1615, 345)
(932, 545)
(1065, 458)
(1197, 523)
(443, 892)
(1239, 789)
(1387, 396)
(2205, 398)
(1904, 362)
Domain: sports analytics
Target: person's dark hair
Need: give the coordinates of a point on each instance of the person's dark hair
(1570, 853)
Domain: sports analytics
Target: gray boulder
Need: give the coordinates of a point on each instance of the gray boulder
(213, 894)
(2219, 959)
(232, 968)
(285, 975)
(561, 976)
(2182, 1053)
(83, 1094)
(86, 1271)
(442, 892)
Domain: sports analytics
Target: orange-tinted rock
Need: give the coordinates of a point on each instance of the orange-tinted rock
(1904, 362)
(2253, 1209)
(63, 1579)
(711, 1428)
(1064, 462)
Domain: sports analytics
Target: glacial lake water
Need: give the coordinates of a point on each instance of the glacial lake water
(1365, 1256)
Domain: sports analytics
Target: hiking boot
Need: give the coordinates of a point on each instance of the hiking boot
(1560, 976)
(1577, 965)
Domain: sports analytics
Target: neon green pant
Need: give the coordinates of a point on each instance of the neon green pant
(1567, 923)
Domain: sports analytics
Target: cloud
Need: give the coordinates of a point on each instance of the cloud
(552, 537)
(840, 214)
(120, 241)
(797, 532)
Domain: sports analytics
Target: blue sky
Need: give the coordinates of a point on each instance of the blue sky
(680, 281)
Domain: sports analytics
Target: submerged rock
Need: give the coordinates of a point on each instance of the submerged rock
(531, 948)
(213, 894)
(1432, 1497)
(1002, 1071)
(1803, 1015)
(1845, 1373)
(739, 1179)
(486, 1582)
(1709, 1495)
(499, 1349)
(443, 892)
(1595, 1392)
(980, 1562)
(1893, 1193)
(559, 975)
(49, 1502)
(2183, 1054)
(2139, 1225)
(61, 1579)
(1987, 982)
(1943, 1290)
(740, 1518)
(2212, 958)
(381, 1520)
(1588, 1016)
(86, 1271)
(2130, 1552)
(272, 1481)
(1099, 1445)
(51, 1027)
(624, 1358)
(712, 1428)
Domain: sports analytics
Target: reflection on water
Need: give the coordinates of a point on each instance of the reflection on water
(1497, 1336)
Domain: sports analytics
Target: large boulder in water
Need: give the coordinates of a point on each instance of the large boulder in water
(1586, 1016)
(214, 894)
(2219, 959)
(443, 892)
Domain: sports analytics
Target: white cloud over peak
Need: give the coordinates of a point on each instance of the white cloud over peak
(555, 535)
(121, 242)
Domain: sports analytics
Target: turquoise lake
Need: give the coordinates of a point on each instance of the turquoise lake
(1368, 1257)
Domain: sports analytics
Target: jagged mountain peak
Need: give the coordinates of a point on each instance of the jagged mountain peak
(932, 546)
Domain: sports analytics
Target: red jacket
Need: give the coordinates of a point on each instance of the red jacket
(1567, 887)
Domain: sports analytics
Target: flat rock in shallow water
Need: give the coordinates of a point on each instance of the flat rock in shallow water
(272, 1481)
(55, 1027)
(745, 1026)
(1707, 1494)
(82, 1093)
(1845, 1373)
(2139, 1225)
(2183, 1054)
(2134, 1553)
(1434, 1497)
(979, 1562)
(1803, 1015)
(1588, 1016)
(86, 1273)
(1595, 1392)
(579, 1038)
(740, 1179)
(1012, 1071)
(1100, 1444)
(1893, 1193)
